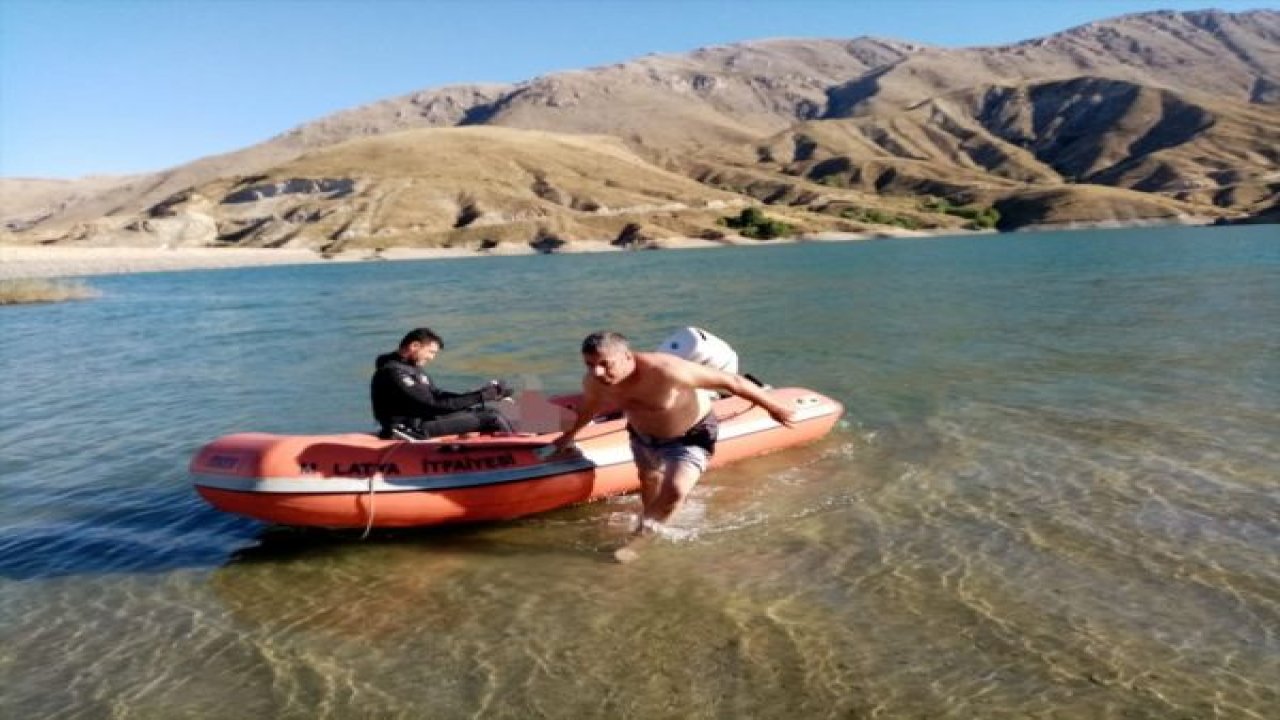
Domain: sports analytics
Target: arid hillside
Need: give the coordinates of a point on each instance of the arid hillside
(1159, 116)
(470, 186)
(1234, 57)
(996, 143)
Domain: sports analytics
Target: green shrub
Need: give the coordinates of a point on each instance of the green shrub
(751, 216)
(935, 204)
(980, 218)
(880, 217)
(769, 230)
(753, 223)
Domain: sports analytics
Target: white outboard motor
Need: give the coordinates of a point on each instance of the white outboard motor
(698, 345)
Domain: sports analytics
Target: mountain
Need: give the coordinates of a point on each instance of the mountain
(1235, 57)
(995, 140)
(1155, 116)
(471, 186)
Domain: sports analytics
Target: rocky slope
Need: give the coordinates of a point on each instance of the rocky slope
(1234, 57)
(473, 186)
(1159, 115)
(995, 143)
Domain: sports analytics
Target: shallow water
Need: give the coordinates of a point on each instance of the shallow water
(1055, 492)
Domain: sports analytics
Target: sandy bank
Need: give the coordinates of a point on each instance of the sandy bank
(44, 261)
(19, 261)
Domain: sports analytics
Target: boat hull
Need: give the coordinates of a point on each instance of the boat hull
(358, 480)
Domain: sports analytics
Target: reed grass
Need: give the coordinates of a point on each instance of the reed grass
(39, 290)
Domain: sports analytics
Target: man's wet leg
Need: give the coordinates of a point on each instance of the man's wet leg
(676, 481)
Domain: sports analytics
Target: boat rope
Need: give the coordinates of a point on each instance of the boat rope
(368, 526)
(378, 477)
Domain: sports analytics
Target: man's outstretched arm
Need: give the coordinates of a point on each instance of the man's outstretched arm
(592, 402)
(705, 378)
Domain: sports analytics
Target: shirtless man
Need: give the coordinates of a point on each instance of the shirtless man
(673, 431)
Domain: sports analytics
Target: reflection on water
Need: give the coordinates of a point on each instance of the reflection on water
(1054, 494)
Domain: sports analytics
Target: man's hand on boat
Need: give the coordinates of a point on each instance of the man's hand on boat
(496, 390)
(562, 447)
(783, 414)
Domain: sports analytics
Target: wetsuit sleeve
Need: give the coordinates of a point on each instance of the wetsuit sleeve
(426, 400)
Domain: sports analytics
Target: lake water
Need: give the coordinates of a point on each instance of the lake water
(1055, 493)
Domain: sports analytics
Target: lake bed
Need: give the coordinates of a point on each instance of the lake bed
(1054, 493)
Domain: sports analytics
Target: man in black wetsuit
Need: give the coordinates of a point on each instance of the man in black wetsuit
(407, 403)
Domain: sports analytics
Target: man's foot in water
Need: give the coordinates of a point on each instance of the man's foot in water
(625, 555)
(631, 551)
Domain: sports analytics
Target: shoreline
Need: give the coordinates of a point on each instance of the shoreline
(25, 262)
(30, 262)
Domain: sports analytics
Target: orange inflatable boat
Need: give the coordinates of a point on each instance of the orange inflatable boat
(358, 480)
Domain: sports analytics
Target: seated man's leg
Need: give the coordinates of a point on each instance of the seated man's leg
(485, 420)
(494, 421)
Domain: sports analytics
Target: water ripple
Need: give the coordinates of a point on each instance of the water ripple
(1054, 494)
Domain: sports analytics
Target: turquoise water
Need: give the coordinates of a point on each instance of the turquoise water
(1056, 492)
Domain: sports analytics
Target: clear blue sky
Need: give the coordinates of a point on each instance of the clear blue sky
(125, 86)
